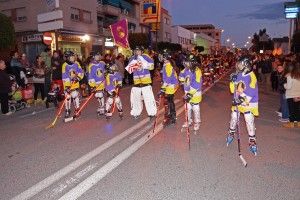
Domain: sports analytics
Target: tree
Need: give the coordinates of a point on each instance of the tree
(296, 43)
(199, 48)
(7, 33)
(262, 41)
(138, 39)
(172, 47)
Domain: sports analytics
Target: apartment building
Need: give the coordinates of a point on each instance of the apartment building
(184, 37)
(84, 27)
(79, 19)
(207, 29)
(164, 28)
(110, 11)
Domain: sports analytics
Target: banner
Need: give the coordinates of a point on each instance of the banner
(150, 11)
(119, 32)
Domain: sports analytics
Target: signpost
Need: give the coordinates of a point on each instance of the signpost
(51, 21)
(47, 38)
(150, 14)
(291, 10)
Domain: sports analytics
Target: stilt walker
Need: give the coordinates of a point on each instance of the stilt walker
(140, 65)
(113, 85)
(72, 73)
(191, 78)
(96, 71)
(244, 86)
(168, 89)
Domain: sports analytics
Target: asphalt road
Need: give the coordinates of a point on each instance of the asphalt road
(94, 159)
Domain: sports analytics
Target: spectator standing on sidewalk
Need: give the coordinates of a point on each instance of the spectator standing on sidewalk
(57, 62)
(24, 61)
(266, 70)
(284, 109)
(274, 75)
(5, 87)
(292, 87)
(120, 63)
(16, 67)
(46, 56)
(39, 78)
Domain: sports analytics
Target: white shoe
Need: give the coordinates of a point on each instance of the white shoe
(185, 125)
(196, 126)
(8, 113)
(279, 114)
(284, 120)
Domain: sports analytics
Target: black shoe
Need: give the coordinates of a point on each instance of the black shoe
(152, 117)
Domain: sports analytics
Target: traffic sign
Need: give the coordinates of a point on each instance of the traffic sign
(47, 38)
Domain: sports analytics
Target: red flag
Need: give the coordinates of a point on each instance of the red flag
(119, 31)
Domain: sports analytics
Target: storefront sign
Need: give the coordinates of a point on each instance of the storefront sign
(109, 42)
(32, 38)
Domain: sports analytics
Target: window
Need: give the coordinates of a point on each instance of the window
(21, 14)
(131, 27)
(6, 12)
(166, 21)
(75, 14)
(168, 36)
(86, 16)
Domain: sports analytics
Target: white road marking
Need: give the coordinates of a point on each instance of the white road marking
(92, 180)
(35, 112)
(140, 132)
(75, 179)
(35, 189)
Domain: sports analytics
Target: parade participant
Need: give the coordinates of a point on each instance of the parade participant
(244, 87)
(113, 85)
(191, 78)
(72, 73)
(168, 89)
(140, 65)
(96, 79)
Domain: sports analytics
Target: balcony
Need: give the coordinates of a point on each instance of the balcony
(111, 10)
(104, 31)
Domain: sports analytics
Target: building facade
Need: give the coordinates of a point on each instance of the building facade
(207, 42)
(84, 27)
(183, 37)
(163, 30)
(281, 46)
(209, 30)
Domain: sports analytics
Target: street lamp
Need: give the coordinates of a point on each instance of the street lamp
(233, 44)
(249, 37)
(228, 40)
(247, 42)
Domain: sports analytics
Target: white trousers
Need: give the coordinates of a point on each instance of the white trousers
(74, 95)
(142, 93)
(100, 98)
(109, 105)
(249, 118)
(193, 109)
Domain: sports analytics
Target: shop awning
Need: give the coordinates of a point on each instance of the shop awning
(115, 3)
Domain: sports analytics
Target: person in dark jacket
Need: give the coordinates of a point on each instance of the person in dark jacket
(284, 109)
(5, 87)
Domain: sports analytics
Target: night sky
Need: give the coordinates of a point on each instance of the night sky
(239, 18)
